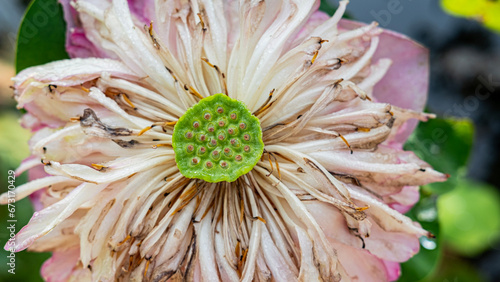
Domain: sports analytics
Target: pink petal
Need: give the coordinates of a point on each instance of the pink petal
(405, 199)
(393, 270)
(360, 265)
(143, 10)
(60, 266)
(406, 82)
(77, 44)
(396, 246)
(44, 221)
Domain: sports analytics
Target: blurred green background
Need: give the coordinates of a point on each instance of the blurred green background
(463, 213)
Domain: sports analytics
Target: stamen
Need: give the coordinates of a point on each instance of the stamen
(146, 269)
(98, 167)
(85, 89)
(124, 240)
(242, 210)
(161, 145)
(363, 129)
(202, 22)
(314, 56)
(262, 108)
(270, 163)
(206, 60)
(52, 87)
(345, 141)
(155, 42)
(193, 91)
(170, 123)
(125, 97)
(363, 208)
(172, 74)
(145, 129)
(237, 249)
(260, 218)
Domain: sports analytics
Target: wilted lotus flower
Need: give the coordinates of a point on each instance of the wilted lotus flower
(223, 140)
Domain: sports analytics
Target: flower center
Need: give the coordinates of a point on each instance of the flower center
(218, 139)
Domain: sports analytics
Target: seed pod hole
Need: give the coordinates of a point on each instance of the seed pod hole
(207, 140)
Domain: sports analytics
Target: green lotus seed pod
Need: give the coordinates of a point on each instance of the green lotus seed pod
(217, 140)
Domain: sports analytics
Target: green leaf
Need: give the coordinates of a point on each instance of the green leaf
(41, 37)
(470, 217)
(330, 8)
(424, 263)
(445, 144)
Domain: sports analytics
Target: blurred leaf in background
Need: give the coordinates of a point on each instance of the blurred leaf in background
(41, 37)
(484, 11)
(470, 217)
(13, 149)
(463, 214)
(445, 144)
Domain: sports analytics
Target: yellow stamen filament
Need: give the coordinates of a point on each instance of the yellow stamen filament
(146, 269)
(85, 89)
(150, 31)
(98, 166)
(221, 75)
(363, 129)
(191, 193)
(194, 92)
(201, 21)
(170, 123)
(172, 74)
(125, 97)
(363, 208)
(208, 62)
(75, 119)
(151, 28)
(145, 129)
(345, 141)
(315, 56)
(206, 211)
(237, 249)
(140, 261)
(242, 210)
(124, 240)
(161, 145)
(270, 163)
(262, 108)
(277, 167)
(245, 252)
(261, 219)
(130, 261)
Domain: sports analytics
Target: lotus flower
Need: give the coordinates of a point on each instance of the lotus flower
(223, 140)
